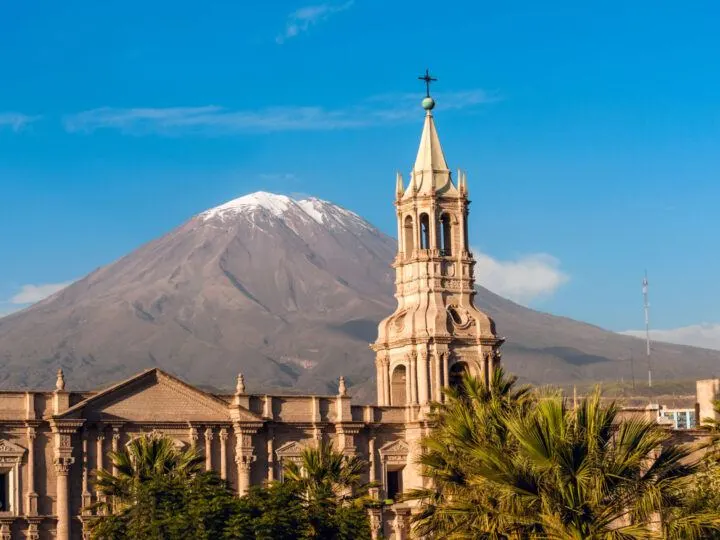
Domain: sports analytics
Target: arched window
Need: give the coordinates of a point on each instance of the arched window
(465, 234)
(445, 235)
(457, 372)
(397, 386)
(408, 243)
(424, 231)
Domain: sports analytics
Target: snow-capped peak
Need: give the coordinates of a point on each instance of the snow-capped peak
(322, 212)
(275, 204)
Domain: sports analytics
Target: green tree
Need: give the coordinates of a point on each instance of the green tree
(160, 492)
(144, 458)
(170, 507)
(512, 465)
(334, 496)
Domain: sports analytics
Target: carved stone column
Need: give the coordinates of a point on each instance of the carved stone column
(115, 444)
(99, 453)
(446, 371)
(413, 378)
(62, 431)
(386, 378)
(223, 453)
(33, 530)
(400, 524)
(86, 496)
(374, 492)
(376, 523)
(5, 529)
(208, 448)
(193, 434)
(438, 377)
(380, 381)
(422, 375)
(270, 453)
(32, 496)
(244, 454)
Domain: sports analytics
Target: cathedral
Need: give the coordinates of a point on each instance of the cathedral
(51, 443)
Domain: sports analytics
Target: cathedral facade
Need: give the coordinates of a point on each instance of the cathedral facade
(51, 443)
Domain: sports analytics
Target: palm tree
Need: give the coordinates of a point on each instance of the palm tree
(330, 486)
(144, 458)
(522, 466)
(460, 504)
(324, 474)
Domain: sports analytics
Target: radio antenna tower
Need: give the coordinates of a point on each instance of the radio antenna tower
(646, 305)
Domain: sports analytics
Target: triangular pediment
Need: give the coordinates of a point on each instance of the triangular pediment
(155, 397)
(292, 449)
(8, 449)
(394, 448)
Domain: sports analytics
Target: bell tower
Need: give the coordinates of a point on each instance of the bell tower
(436, 333)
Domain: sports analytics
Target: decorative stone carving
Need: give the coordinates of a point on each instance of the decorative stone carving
(291, 451)
(63, 464)
(60, 382)
(342, 389)
(394, 452)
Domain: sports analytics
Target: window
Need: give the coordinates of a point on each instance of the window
(5, 492)
(397, 386)
(424, 231)
(457, 371)
(394, 483)
(408, 236)
(445, 235)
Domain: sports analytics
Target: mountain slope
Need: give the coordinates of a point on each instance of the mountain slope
(288, 292)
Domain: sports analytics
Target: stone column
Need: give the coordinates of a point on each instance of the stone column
(374, 492)
(193, 435)
(32, 496)
(376, 523)
(408, 384)
(386, 379)
(244, 455)
(271, 454)
(446, 370)
(413, 397)
(33, 530)
(208, 448)
(62, 431)
(115, 445)
(99, 453)
(400, 525)
(6, 530)
(86, 496)
(438, 377)
(62, 470)
(422, 376)
(380, 381)
(223, 453)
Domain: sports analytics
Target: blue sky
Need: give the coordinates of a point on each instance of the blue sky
(589, 133)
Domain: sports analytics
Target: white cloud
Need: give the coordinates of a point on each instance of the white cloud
(16, 121)
(705, 335)
(528, 278)
(29, 294)
(301, 20)
(215, 120)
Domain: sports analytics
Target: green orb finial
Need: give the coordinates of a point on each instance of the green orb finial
(428, 103)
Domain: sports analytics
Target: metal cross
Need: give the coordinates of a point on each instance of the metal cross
(428, 79)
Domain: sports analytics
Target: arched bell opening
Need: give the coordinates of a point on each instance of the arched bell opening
(408, 243)
(445, 235)
(424, 231)
(457, 371)
(398, 381)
